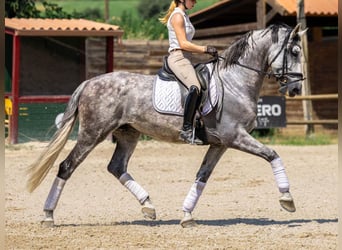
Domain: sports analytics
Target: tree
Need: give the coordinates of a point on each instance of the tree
(151, 8)
(52, 10)
(21, 8)
(28, 9)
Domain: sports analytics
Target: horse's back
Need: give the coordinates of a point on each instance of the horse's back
(120, 80)
(116, 86)
(116, 98)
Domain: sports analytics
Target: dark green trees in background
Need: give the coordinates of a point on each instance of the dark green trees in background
(21, 8)
(28, 9)
(144, 26)
(152, 8)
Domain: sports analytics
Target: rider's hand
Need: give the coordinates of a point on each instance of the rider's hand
(211, 51)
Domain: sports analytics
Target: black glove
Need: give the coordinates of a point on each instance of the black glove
(211, 51)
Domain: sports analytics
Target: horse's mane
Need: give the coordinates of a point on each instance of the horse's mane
(240, 45)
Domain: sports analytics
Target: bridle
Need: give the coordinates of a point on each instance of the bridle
(282, 77)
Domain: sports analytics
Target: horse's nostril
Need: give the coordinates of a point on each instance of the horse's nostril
(297, 91)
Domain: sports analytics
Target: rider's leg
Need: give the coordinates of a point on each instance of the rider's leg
(190, 108)
(180, 63)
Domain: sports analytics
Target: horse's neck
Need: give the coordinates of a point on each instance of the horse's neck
(248, 76)
(256, 55)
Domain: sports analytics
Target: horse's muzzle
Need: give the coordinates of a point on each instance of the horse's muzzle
(292, 85)
(294, 88)
(297, 90)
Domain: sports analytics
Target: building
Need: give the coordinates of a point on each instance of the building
(45, 60)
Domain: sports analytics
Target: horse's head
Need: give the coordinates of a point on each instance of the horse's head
(285, 60)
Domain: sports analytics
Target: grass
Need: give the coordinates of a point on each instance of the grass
(274, 137)
(116, 7)
(298, 140)
(202, 4)
(123, 13)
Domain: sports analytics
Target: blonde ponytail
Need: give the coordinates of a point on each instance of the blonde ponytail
(166, 17)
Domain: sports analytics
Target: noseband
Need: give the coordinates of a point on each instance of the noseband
(283, 77)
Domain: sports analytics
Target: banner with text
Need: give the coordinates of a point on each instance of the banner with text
(271, 112)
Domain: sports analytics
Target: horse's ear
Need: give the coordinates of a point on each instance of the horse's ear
(302, 32)
(295, 31)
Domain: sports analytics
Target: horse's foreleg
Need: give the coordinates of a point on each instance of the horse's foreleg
(286, 200)
(209, 162)
(247, 143)
(127, 139)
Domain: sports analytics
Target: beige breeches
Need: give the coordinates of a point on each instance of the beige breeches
(180, 63)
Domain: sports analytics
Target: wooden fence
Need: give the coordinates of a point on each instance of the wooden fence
(313, 98)
(146, 57)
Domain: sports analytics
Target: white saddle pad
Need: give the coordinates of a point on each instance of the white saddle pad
(167, 97)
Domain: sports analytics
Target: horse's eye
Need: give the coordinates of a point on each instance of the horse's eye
(283, 79)
(295, 50)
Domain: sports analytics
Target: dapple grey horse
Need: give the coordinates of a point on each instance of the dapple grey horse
(120, 103)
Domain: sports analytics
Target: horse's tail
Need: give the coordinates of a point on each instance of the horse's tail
(40, 168)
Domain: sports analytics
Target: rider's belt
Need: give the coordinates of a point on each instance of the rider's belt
(173, 50)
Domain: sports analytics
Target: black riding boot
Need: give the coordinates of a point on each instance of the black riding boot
(191, 105)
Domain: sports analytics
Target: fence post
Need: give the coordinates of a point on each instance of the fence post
(307, 104)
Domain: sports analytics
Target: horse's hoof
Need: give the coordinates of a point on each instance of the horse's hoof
(149, 213)
(287, 203)
(47, 222)
(188, 221)
(148, 210)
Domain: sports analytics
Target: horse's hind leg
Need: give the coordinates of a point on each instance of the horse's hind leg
(126, 141)
(66, 168)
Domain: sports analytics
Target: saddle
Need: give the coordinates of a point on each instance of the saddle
(202, 72)
(169, 92)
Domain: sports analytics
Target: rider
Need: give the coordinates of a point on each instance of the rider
(181, 32)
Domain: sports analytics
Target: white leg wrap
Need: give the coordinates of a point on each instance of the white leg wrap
(280, 175)
(54, 194)
(134, 187)
(193, 196)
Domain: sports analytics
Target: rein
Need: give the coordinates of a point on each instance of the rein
(215, 62)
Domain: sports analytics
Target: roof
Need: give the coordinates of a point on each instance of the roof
(289, 7)
(311, 7)
(230, 12)
(60, 27)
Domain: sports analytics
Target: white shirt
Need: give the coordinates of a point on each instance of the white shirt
(189, 29)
